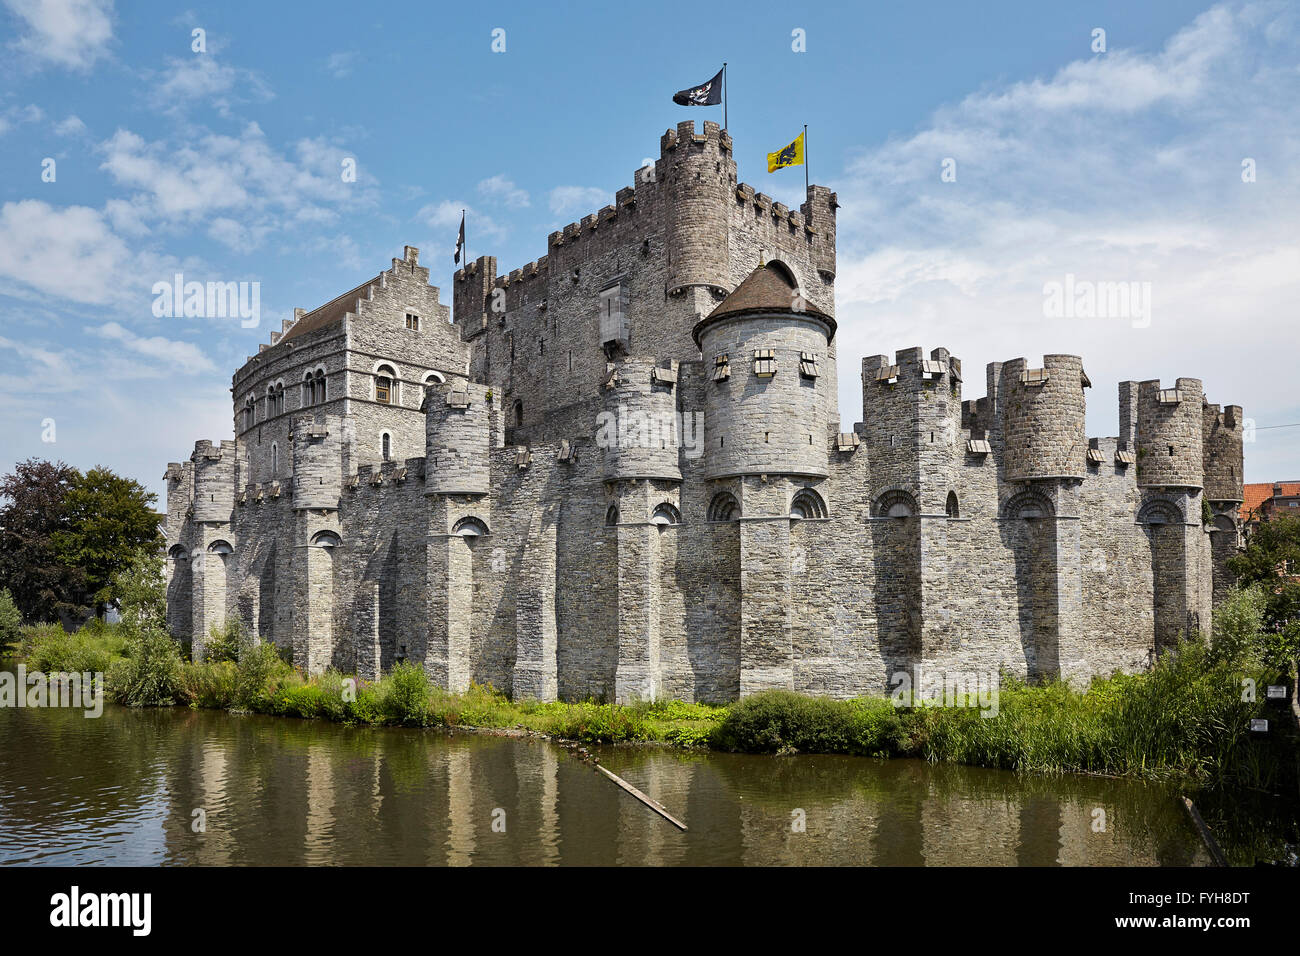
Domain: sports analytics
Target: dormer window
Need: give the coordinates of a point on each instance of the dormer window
(412, 321)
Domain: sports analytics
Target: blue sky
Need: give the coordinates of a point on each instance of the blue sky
(1115, 166)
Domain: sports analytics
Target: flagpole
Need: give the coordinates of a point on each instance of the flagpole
(462, 217)
(805, 158)
(724, 94)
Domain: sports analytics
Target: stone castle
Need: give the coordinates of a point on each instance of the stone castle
(618, 472)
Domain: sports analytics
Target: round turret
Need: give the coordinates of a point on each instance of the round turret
(214, 480)
(457, 433)
(317, 464)
(1043, 418)
(700, 175)
(1169, 423)
(767, 400)
(638, 428)
(1221, 436)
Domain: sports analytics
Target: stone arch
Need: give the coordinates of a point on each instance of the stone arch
(385, 445)
(221, 547)
(1160, 511)
(895, 503)
(806, 503)
(470, 527)
(326, 539)
(665, 514)
(785, 270)
(724, 507)
(951, 507)
(178, 552)
(434, 378)
(611, 515)
(1225, 523)
(1028, 504)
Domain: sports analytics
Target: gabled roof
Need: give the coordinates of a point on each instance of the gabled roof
(768, 289)
(331, 313)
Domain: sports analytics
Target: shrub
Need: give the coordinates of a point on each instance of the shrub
(150, 675)
(258, 671)
(210, 684)
(405, 695)
(50, 649)
(224, 642)
(781, 721)
(11, 621)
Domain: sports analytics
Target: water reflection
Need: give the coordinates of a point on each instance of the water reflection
(124, 789)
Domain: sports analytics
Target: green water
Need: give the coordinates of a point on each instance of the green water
(124, 788)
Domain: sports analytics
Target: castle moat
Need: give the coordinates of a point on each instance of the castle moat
(175, 786)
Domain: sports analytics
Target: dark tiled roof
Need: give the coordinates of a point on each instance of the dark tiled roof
(766, 290)
(331, 313)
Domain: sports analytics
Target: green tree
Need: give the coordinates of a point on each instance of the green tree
(141, 591)
(109, 519)
(43, 587)
(11, 621)
(1271, 557)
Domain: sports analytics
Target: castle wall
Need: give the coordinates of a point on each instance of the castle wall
(513, 538)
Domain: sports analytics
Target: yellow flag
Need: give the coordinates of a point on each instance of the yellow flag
(792, 155)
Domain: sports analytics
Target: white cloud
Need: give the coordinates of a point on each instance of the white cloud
(70, 126)
(1122, 167)
(70, 33)
(175, 356)
(503, 189)
(219, 175)
(70, 253)
(202, 77)
(584, 199)
(339, 65)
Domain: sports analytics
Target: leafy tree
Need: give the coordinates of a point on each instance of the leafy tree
(1270, 558)
(141, 591)
(11, 621)
(43, 587)
(108, 519)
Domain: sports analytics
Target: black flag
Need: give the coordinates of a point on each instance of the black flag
(707, 94)
(460, 239)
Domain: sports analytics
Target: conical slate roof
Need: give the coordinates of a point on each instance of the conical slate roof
(767, 290)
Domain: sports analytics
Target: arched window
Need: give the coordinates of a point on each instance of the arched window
(1160, 511)
(275, 459)
(611, 515)
(469, 527)
(1028, 504)
(250, 412)
(178, 553)
(666, 514)
(319, 377)
(724, 507)
(434, 378)
(807, 504)
(325, 539)
(308, 390)
(385, 385)
(951, 507)
(220, 547)
(386, 446)
(894, 504)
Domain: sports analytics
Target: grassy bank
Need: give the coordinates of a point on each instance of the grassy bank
(1186, 717)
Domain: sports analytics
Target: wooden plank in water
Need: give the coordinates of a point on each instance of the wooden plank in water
(654, 805)
(1210, 843)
